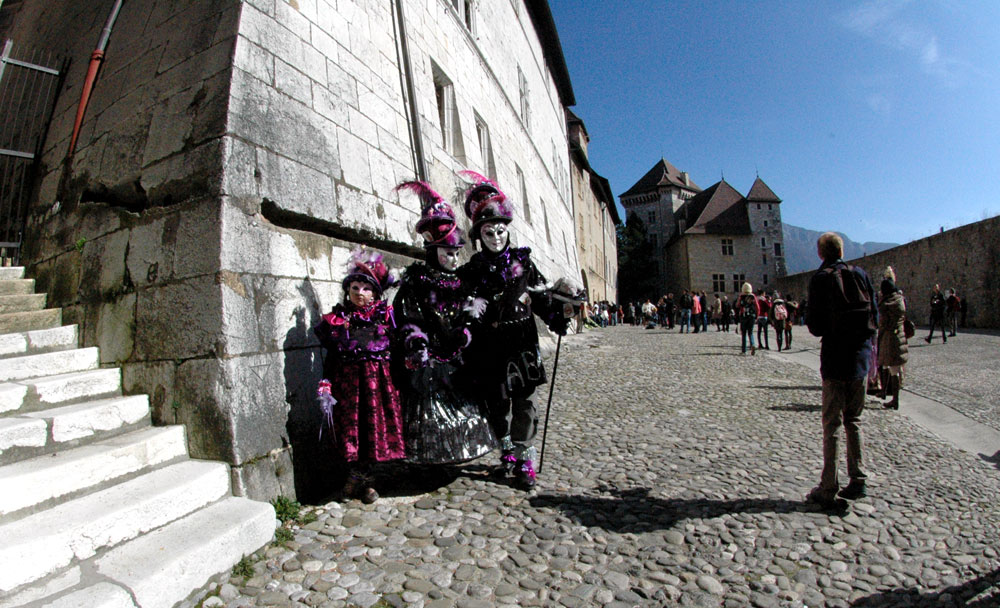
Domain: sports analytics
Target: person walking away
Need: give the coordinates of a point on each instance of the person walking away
(779, 314)
(842, 313)
(670, 309)
(793, 312)
(747, 310)
(953, 306)
(686, 304)
(696, 312)
(762, 319)
(893, 351)
(705, 309)
(727, 311)
(717, 313)
(938, 305)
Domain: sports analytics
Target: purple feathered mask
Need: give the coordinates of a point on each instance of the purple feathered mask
(368, 266)
(485, 202)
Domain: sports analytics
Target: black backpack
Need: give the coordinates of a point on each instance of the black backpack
(851, 308)
(749, 312)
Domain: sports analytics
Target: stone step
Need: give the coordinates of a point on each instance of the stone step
(26, 321)
(41, 544)
(30, 485)
(164, 566)
(61, 389)
(101, 595)
(38, 341)
(17, 286)
(48, 364)
(9, 273)
(21, 437)
(22, 303)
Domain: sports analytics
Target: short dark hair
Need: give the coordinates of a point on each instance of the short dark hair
(830, 246)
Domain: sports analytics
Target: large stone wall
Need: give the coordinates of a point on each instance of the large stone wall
(964, 258)
(232, 155)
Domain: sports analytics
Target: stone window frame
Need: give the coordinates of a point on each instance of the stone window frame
(486, 147)
(718, 283)
(651, 216)
(765, 278)
(728, 249)
(777, 250)
(447, 112)
(522, 94)
(522, 189)
(738, 281)
(763, 242)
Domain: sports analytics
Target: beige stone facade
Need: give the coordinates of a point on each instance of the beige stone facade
(596, 220)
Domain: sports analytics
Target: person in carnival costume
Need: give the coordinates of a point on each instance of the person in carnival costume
(503, 361)
(444, 424)
(359, 401)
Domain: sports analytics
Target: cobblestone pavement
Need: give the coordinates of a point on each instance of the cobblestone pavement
(674, 474)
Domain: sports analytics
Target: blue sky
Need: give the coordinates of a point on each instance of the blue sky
(879, 119)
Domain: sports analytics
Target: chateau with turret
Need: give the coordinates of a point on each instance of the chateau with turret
(712, 239)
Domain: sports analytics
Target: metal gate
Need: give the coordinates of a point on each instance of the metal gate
(29, 83)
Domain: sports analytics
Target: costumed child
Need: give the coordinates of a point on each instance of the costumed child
(503, 361)
(444, 424)
(360, 403)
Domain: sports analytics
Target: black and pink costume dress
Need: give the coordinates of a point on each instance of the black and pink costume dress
(367, 417)
(444, 423)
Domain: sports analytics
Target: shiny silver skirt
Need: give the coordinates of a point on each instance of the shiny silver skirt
(443, 424)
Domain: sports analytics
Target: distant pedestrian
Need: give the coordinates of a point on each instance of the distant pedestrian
(952, 305)
(764, 306)
(696, 312)
(686, 303)
(717, 312)
(842, 313)
(938, 305)
(893, 351)
(727, 312)
(747, 311)
(778, 317)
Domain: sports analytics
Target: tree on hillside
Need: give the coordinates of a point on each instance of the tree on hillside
(636, 281)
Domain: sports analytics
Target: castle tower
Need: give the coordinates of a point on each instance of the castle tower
(764, 212)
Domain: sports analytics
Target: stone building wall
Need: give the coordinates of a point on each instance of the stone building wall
(232, 155)
(964, 258)
(705, 259)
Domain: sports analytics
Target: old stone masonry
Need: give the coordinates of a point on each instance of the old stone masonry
(674, 474)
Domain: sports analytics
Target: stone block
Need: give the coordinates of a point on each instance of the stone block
(353, 154)
(330, 105)
(265, 478)
(341, 85)
(195, 174)
(330, 19)
(101, 595)
(268, 314)
(254, 60)
(199, 403)
(178, 320)
(313, 64)
(291, 17)
(239, 162)
(296, 187)
(292, 82)
(116, 329)
(254, 401)
(156, 379)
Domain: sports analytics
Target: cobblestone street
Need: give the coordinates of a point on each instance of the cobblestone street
(674, 474)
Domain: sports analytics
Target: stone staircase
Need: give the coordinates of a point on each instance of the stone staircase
(97, 506)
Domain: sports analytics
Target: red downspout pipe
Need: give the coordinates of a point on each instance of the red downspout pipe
(95, 63)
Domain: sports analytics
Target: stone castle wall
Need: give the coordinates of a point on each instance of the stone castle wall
(964, 258)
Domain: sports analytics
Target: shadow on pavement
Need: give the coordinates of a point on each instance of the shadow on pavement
(633, 510)
(995, 459)
(957, 595)
(785, 387)
(797, 407)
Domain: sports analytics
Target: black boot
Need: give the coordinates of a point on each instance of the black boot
(894, 391)
(524, 475)
(507, 465)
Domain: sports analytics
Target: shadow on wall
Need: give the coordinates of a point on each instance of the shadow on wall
(317, 469)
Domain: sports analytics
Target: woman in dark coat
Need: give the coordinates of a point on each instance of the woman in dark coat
(893, 351)
(444, 424)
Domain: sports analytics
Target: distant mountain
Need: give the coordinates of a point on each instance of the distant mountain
(800, 248)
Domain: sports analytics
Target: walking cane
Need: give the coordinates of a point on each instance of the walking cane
(548, 408)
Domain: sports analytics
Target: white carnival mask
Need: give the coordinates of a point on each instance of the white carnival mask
(494, 235)
(448, 258)
(361, 293)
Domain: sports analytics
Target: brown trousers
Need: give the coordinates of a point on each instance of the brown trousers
(843, 402)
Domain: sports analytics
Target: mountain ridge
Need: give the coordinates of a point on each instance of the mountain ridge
(800, 248)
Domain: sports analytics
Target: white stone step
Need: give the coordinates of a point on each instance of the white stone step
(30, 483)
(48, 364)
(25, 321)
(163, 567)
(38, 341)
(22, 303)
(41, 544)
(11, 272)
(22, 433)
(43, 589)
(101, 595)
(84, 419)
(10, 287)
(60, 389)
